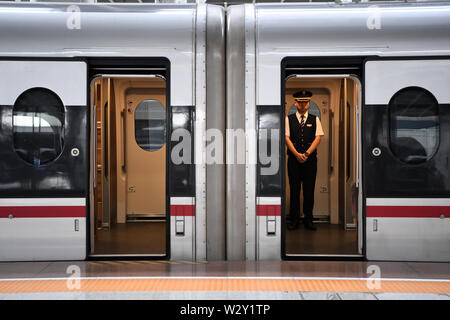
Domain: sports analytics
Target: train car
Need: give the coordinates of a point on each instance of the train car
(113, 116)
(104, 110)
(380, 79)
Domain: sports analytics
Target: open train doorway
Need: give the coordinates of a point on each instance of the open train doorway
(337, 210)
(129, 188)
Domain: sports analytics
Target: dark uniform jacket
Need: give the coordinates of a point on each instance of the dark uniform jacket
(302, 138)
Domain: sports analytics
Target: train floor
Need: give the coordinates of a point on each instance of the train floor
(327, 239)
(224, 280)
(132, 238)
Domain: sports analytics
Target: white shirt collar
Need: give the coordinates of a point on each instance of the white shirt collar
(299, 117)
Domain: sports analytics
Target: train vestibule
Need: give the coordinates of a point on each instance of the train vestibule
(337, 196)
(128, 215)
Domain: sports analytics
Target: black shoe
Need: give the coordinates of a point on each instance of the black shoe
(293, 225)
(310, 226)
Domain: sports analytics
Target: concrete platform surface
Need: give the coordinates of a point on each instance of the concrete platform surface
(224, 280)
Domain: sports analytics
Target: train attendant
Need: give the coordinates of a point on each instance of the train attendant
(303, 134)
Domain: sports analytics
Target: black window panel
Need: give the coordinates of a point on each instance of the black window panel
(38, 126)
(414, 125)
(66, 176)
(150, 125)
(268, 119)
(386, 176)
(181, 180)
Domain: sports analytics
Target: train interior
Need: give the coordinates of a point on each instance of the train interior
(336, 211)
(128, 189)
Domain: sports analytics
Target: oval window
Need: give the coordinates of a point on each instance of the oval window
(38, 126)
(150, 125)
(414, 125)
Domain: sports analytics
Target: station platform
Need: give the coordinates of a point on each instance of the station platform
(224, 280)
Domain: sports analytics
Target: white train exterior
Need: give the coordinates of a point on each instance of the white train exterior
(229, 211)
(58, 46)
(403, 208)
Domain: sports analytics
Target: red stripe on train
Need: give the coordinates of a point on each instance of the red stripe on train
(407, 211)
(44, 212)
(185, 210)
(268, 210)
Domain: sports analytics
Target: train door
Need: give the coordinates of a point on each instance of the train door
(337, 210)
(129, 187)
(43, 160)
(406, 121)
(145, 154)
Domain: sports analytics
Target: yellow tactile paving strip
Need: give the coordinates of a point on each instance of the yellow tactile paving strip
(214, 284)
(137, 262)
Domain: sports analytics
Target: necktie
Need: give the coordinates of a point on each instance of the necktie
(303, 121)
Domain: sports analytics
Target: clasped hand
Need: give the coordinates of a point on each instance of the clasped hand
(301, 157)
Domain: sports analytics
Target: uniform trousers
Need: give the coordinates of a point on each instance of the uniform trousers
(301, 174)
